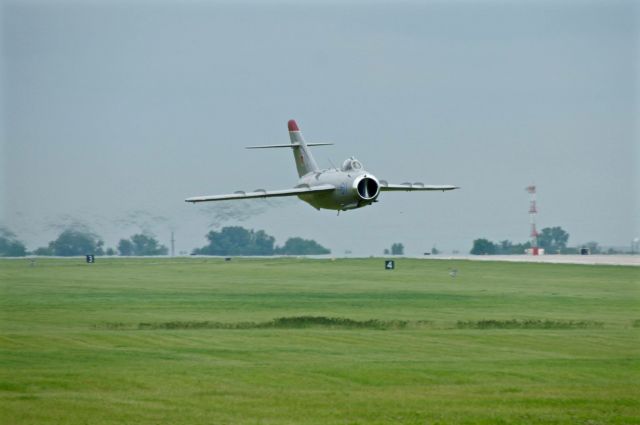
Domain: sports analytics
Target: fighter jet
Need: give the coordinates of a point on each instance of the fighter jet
(345, 188)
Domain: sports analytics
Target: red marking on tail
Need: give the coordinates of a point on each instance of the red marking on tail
(292, 125)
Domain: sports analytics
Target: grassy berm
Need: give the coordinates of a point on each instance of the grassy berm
(290, 341)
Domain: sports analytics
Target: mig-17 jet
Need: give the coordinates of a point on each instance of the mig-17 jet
(345, 188)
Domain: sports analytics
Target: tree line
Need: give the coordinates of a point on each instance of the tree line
(396, 249)
(233, 240)
(236, 240)
(554, 240)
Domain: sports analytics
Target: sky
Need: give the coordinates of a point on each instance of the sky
(114, 112)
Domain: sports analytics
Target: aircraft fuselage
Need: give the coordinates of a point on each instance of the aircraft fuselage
(355, 188)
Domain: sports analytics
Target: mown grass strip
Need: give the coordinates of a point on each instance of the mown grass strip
(296, 322)
(301, 322)
(529, 324)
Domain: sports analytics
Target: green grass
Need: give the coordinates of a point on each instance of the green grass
(288, 341)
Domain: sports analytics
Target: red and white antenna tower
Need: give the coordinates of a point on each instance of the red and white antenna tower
(533, 210)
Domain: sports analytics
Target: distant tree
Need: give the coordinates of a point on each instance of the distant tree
(593, 247)
(521, 248)
(397, 249)
(43, 251)
(73, 242)
(228, 241)
(141, 244)
(125, 247)
(9, 245)
(435, 251)
(386, 251)
(504, 246)
(263, 243)
(110, 251)
(299, 246)
(507, 247)
(553, 239)
(236, 240)
(147, 245)
(483, 247)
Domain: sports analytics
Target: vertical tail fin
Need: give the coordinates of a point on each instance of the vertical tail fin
(304, 160)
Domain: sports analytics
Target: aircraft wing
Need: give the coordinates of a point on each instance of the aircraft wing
(388, 187)
(261, 193)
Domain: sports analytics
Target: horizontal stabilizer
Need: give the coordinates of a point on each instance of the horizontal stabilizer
(289, 145)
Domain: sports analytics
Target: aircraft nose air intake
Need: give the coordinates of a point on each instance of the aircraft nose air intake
(368, 188)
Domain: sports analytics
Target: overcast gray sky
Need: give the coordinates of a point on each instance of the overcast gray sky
(114, 112)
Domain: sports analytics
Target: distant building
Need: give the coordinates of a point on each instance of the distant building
(534, 251)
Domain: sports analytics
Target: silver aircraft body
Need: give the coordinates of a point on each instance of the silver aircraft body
(345, 188)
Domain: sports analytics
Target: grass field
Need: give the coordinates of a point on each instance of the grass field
(289, 341)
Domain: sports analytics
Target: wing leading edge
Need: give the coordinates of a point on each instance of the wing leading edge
(261, 193)
(408, 187)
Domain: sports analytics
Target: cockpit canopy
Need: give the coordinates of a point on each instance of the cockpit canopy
(351, 164)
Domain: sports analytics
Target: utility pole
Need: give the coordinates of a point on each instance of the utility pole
(533, 210)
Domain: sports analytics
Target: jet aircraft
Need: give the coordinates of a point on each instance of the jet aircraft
(345, 188)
